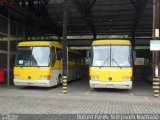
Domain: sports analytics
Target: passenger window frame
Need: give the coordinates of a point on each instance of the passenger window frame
(53, 61)
(57, 55)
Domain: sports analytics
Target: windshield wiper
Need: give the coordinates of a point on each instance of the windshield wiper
(116, 62)
(104, 61)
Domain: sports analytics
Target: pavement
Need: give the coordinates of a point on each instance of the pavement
(50, 103)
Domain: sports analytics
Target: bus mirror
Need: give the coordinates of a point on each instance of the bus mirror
(134, 54)
(88, 55)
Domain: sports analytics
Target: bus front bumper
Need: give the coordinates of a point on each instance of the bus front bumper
(117, 85)
(39, 83)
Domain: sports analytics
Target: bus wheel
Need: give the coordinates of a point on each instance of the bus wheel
(59, 80)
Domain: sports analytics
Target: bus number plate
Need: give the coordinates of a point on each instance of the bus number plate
(110, 86)
(29, 84)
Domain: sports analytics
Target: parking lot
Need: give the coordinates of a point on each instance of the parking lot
(50, 41)
(80, 99)
(81, 87)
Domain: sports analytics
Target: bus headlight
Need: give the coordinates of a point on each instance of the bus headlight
(94, 77)
(16, 76)
(45, 77)
(126, 78)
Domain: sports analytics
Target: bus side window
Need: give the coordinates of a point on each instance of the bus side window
(59, 53)
(71, 56)
(53, 57)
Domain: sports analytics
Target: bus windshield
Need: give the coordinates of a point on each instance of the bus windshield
(115, 56)
(33, 56)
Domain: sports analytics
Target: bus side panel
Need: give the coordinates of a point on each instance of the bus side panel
(56, 72)
(74, 70)
(55, 77)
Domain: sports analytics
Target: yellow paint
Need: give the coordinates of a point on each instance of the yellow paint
(117, 74)
(111, 42)
(57, 65)
(111, 74)
(36, 72)
(40, 43)
(33, 72)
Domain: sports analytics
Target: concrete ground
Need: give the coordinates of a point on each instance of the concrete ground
(79, 100)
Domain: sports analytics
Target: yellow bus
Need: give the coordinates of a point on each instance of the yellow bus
(39, 63)
(111, 64)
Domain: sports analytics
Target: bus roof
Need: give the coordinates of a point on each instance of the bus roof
(40, 43)
(113, 42)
